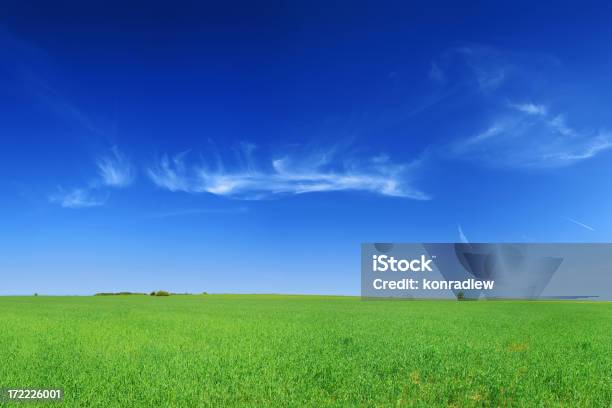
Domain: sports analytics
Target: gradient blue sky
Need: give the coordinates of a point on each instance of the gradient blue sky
(253, 147)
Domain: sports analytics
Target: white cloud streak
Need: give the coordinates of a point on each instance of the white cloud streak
(78, 198)
(285, 175)
(115, 169)
(580, 224)
(526, 135)
(530, 108)
(521, 133)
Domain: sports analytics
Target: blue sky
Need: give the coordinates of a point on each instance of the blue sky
(252, 148)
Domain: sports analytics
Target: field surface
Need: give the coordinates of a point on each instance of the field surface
(287, 351)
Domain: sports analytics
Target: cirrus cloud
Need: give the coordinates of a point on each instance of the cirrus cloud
(78, 198)
(285, 175)
(526, 135)
(523, 133)
(115, 169)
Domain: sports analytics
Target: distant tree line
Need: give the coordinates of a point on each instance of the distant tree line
(153, 293)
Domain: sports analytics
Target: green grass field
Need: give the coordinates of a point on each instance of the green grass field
(256, 350)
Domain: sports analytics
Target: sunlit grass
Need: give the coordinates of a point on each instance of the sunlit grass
(214, 350)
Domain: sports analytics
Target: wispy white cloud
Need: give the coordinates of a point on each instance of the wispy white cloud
(79, 198)
(489, 133)
(530, 108)
(115, 169)
(526, 135)
(559, 125)
(37, 72)
(489, 81)
(172, 174)
(285, 175)
(485, 67)
(436, 73)
(520, 133)
(580, 224)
